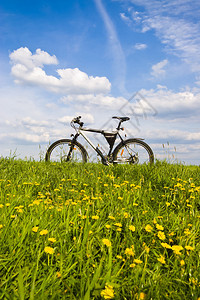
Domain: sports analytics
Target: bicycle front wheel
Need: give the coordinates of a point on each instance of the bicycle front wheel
(133, 151)
(65, 151)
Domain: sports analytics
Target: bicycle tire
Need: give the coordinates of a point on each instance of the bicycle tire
(62, 156)
(124, 149)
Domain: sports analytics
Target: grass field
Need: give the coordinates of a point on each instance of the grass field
(71, 231)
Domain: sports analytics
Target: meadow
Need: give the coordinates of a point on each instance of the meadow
(87, 231)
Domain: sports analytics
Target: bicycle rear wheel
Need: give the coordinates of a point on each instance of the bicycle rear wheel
(133, 151)
(66, 150)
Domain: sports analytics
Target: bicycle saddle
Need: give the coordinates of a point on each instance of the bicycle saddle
(122, 119)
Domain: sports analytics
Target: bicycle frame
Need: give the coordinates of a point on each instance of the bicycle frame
(110, 137)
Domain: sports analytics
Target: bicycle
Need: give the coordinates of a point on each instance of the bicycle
(131, 151)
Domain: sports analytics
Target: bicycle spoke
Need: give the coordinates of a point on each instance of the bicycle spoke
(133, 152)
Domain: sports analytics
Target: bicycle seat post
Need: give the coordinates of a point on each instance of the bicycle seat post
(118, 127)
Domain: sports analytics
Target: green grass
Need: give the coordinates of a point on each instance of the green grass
(85, 208)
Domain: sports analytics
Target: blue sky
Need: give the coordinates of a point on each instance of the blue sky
(59, 59)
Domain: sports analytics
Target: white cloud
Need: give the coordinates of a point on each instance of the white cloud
(157, 69)
(108, 102)
(85, 117)
(28, 69)
(171, 105)
(23, 56)
(140, 46)
(176, 24)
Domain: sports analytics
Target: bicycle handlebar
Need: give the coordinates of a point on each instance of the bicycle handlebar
(77, 121)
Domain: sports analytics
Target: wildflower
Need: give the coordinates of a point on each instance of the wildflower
(177, 249)
(148, 228)
(161, 259)
(111, 217)
(126, 215)
(129, 251)
(132, 265)
(95, 217)
(43, 232)
(189, 248)
(52, 240)
(119, 229)
(142, 296)
(1, 205)
(159, 227)
(106, 242)
(108, 292)
(187, 231)
(137, 261)
(1, 226)
(161, 235)
(35, 229)
(132, 228)
(119, 257)
(58, 274)
(165, 245)
(49, 250)
(118, 224)
(108, 226)
(182, 263)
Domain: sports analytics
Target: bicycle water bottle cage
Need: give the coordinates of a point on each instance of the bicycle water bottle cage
(122, 119)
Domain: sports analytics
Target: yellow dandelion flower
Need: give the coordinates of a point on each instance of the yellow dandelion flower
(142, 296)
(58, 275)
(43, 232)
(108, 292)
(119, 257)
(106, 242)
(189, 248)
(95, 217)
(108, 226)
(182, 263)
(52, 240)
(119, 229)
(137, 261)
(154, 221)
(49, 250)
(129, 252)
(177, 249)
(126, 215)
(149, 228)
(1, 226)
(159, 227)
(118, 224)
(132, 265)
(161, 259)
(161, 235)
(165, 245)
(1, 205)
(111, 217)
(132, 228)
(35, 229)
